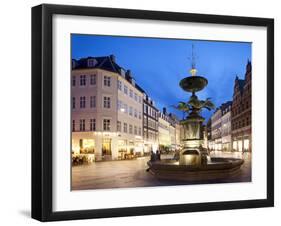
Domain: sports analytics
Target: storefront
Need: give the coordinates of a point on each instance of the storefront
(241, 144)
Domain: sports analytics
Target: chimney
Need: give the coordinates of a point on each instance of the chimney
(112, 58)
(129, 73)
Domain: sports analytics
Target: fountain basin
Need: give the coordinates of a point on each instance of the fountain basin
(216, 168)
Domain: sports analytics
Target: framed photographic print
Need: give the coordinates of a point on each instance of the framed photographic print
(145, 112)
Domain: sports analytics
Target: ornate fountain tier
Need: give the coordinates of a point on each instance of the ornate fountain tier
(193, 83)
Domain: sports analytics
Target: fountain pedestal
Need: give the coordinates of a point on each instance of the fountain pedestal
(192, 140)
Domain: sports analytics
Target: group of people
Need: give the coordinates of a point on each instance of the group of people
(155, 156)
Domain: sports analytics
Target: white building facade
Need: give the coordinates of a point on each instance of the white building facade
(216, 141)
(226, 128)
(164, 131)
(169, 131)
(107, 110)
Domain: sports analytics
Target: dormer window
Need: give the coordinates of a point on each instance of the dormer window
(122, 72)
(73, 64)
(92, 62)
(133, 82)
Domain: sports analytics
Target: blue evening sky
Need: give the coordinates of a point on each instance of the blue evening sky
(158, 65)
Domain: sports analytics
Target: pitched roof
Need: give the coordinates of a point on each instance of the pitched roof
(240, 82)
(225, 105)
(105, 62)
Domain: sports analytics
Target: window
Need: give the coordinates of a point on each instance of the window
(145, 108)
(73, 125)
(93, 80)
(82, 124)
(135, 130)
(73, 102)
(152, 113)
(73, 81)
(131, 93)
(125, 106)
(106, 81)
(140, 99)
(106, 124)
(145, 133)
(136, 113)
(92, 62)
(106, 102)
(82, 80)
(93, 101)
(126, 89)
(130, 111)
(93, 124)
(136, 97)
(118, 126)
(125, 128)
(83, 102)
(145, 120)
(139, 115)
(119, 85)
(139, 131)
(130, 129)
(119, 105)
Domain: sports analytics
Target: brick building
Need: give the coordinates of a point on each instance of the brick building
(242, 112)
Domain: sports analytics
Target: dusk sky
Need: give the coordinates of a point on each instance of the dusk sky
(158, 65)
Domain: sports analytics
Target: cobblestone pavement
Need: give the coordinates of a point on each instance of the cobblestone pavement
(132, 173)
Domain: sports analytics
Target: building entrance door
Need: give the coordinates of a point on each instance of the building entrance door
(106, 148)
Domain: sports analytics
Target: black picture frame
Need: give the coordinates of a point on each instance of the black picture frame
(42, 111)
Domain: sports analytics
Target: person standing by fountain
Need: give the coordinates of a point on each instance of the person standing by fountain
(158, 155)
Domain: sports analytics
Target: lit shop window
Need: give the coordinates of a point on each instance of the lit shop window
(240, 147)
(106, 124)
(246, 145)
(106, 81)
(82, 80)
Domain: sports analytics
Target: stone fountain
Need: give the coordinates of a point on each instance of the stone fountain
(193, 162)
